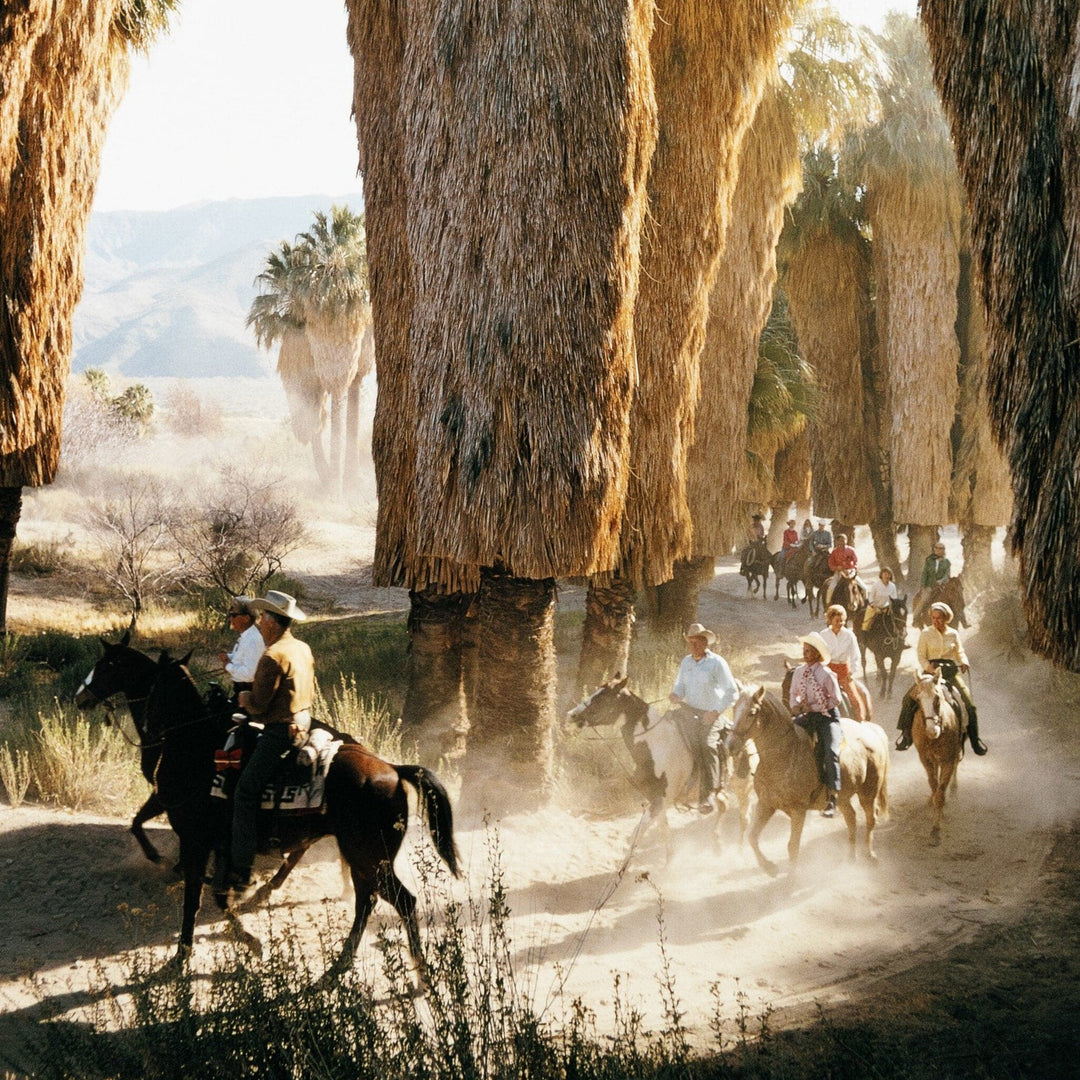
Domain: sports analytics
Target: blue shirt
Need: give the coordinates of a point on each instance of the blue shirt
(705, 684)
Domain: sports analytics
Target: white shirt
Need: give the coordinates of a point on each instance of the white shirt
(844, 648)
(705, 684)
(244, 658)
(879, 595)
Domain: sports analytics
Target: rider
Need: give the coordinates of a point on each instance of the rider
(790, 539)
(240, 662)
(845, 662)
(936, 643)
(280, 697)
(755, 536)
(704, 688)
(879, 597)
(843, 562)
(936, 569)
(814, 700)
(819, 542)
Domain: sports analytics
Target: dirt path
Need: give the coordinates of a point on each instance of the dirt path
(76, 892)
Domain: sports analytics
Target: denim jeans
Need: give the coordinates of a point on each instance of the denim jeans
(827, 728)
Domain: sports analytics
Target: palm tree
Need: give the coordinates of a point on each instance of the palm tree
(508, 326)
(915, 205)
(314, 302)
(1005, 77)
(64, 68)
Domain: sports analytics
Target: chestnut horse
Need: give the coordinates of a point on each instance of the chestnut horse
(939, 738)
(787, 777)
(366, 804)
(663, 758)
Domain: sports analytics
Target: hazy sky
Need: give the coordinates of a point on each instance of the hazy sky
(252, 97)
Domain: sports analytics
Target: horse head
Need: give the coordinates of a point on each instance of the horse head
(746, 713)
(121, 670)
(929, 694)
(603, 706)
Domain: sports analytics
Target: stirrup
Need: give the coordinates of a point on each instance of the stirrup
(903, 741)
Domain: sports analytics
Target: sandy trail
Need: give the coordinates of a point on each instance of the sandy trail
(822, 934)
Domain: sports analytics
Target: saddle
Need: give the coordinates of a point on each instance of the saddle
(300, 786)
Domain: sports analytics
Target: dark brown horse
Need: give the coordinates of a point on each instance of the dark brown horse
(886, 639)
(949, 592)
(131, 673)
(366, 807)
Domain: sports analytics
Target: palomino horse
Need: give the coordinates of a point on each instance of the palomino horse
(937, 734)
(787, 777)
(663, 758)
(886, 639)
(366, 808)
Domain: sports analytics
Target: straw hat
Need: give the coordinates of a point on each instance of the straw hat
(697, 630)
(280, 603)
(816, 641)
(944, 609)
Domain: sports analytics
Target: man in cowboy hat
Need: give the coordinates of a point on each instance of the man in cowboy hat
(281, 695)
(704, 688)
(814, 700)
(938, 642)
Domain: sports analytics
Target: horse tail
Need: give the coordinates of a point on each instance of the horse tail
(438, 812)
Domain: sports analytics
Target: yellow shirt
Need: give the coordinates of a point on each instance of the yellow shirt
(284, 681)
(935, 645)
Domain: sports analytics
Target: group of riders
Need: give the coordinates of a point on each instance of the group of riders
(831, 669)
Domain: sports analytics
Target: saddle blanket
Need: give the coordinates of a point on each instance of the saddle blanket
(302, 787)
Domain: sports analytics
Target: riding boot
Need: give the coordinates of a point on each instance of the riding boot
(830, 805)
(907, 718)
(973, 731)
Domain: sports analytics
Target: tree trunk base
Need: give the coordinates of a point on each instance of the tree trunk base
(605, 637)
(509, 762)
(888, 554)
(672, 607)
(921, 539)
(10, 512)
(978, 560)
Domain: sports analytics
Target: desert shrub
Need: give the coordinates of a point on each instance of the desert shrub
(188, 415)
(78, 763)
(343, 708)
(369, 652)
(16, 773)
(41, 558)
(99, 427)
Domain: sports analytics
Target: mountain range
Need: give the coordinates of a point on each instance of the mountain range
(167, 292)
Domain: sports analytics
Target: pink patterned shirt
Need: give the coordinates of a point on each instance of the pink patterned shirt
(814, 689)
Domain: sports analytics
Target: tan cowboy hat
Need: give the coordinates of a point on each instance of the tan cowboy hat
(281, 603)
(697, 630)
(944, 609)
(816, 641)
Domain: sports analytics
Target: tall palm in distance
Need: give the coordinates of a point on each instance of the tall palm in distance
(314, 303)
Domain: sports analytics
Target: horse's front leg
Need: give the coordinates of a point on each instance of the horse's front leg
(152, 808)
(193, 859)
(762, 815)
(798, 820)
(851, 821)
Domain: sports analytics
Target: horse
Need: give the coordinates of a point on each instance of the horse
(754, 565)
(780, 566)
(793, 568)
(938, 735)
(126, 671)
(949, 592)
(664, 760)
(366, 808)
(849, 593)
(886, 639)
(814, 574)
(787, 777)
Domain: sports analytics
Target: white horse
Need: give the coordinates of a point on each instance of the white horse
(663, 758)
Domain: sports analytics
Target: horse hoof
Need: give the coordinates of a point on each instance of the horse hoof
(935, 838)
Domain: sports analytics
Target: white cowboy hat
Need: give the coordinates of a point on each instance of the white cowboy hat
(697, 630)
(944, 609)
(816, 641)
(280, 603)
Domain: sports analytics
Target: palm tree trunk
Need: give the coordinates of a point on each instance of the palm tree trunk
(978, 562)
(322, 466)
(434, 711)
(888, 554)
(337, 416)
(10, 511)
(673, 605)
(510, 750)
(605, 637)
(921, 539)
(351, 453)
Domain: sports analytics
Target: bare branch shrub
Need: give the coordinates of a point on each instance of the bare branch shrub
(235, 537)
(93, 431)
(187, 414)
(134, 526)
